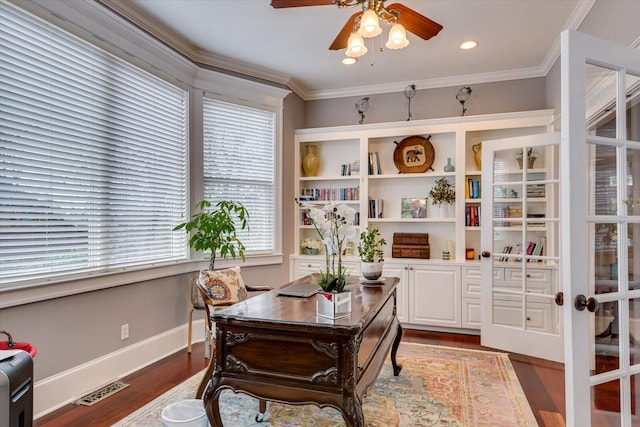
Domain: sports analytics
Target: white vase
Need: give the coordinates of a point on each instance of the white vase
(441, 211)
(371, 270)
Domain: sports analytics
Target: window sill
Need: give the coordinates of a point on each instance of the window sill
(46, 290)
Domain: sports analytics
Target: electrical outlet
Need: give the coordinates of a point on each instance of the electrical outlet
(124, 331)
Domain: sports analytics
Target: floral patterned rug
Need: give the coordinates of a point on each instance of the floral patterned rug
(438, 386)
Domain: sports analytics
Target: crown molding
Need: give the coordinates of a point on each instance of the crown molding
(137, 17)
(169, 38)
(463, 79)
(92, 22)
(578, 15)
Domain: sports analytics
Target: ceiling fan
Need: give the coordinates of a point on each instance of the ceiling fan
(358, 23)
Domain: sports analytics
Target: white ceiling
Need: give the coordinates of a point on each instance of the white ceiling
(517, 39)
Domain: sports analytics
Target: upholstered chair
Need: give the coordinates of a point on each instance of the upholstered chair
(219, 289)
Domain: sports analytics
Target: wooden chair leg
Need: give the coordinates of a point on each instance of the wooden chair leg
(190, 330)
(207, 341)
(205, 380)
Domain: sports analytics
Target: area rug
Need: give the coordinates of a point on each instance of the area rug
(438, 386)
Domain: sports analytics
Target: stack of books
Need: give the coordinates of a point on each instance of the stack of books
(374, 164)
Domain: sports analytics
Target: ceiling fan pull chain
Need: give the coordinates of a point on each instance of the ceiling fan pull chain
(373, 52)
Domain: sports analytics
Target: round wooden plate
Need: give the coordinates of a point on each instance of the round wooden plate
(414, 154)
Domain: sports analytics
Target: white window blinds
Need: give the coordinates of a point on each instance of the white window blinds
(93, 157)
(239, 165)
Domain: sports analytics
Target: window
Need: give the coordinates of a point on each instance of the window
(239, 164)
(93, 158)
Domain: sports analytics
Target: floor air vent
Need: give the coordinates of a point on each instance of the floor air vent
(102, 393)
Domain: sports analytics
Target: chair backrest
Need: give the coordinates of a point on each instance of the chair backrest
(197, 300)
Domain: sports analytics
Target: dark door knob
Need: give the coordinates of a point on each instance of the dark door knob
(582, 302)
(485, 254)
(559, 299)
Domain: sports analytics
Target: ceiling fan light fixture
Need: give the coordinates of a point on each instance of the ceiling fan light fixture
(397, 37)
(355, 46)
(349, 60)
(369, 24)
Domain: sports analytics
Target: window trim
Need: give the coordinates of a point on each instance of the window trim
(95, 24)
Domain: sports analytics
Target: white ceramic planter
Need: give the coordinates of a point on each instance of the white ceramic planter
(371, 270)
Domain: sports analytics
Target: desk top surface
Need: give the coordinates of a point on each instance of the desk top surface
(269, 308)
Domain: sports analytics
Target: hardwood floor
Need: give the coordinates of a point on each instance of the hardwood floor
(542, 382)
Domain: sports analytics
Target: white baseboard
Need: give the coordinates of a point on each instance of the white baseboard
(66, 387)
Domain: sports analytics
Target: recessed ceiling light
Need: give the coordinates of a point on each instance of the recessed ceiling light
(469, 44)
(349, 60)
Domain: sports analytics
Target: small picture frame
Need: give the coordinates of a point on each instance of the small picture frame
(413, 208)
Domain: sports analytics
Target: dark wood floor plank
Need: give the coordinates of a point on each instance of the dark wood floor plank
(542, 382)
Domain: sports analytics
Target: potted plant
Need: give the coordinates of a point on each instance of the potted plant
(371, 253)
(215, 229)
(311, 246)
(443, 194)
(531, 157)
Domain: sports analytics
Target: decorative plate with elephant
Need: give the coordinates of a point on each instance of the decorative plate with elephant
(414, 154)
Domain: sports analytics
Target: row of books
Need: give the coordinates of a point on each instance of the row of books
(374, 164)
(530, 248)
(472, 189)
(306, 219)
(472, 216)
(535, 190)
(350, 169)
(328, 194)
(376, 208)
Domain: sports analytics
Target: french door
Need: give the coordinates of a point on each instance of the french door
(520, 188)
(600, 234)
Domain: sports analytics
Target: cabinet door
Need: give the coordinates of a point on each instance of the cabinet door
(434, 295)
(402, 293)
(304, 267)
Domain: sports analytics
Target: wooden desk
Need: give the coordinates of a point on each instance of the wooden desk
(276, 348)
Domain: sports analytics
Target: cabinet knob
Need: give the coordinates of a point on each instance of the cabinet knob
(485, 254)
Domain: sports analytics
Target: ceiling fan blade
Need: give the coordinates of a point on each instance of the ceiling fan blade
(343, 36)
(278, 4)
(416, 23)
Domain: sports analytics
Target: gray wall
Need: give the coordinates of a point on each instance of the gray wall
(486, 98)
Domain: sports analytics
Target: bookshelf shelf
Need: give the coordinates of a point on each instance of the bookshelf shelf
(370, 150)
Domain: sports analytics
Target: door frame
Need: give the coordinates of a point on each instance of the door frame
(576, 50)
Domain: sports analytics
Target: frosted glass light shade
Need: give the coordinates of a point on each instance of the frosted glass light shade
(355, 46)
(397, 37)
(369, 24)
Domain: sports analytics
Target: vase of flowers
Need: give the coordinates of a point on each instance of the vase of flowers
(532, 156)
(442, 195)
(311, 246)
(334, 225)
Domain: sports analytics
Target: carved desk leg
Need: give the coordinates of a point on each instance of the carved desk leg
(352, 411)
(394, 349)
